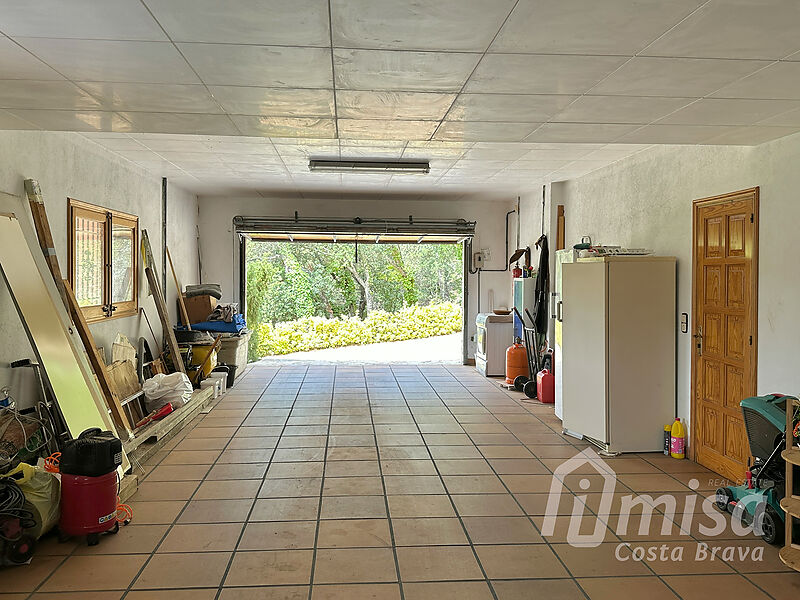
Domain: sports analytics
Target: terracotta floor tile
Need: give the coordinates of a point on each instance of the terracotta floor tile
(601, 561)
(285, 509)
(520, 562)
(428, 532)
(250, 443)
(202, 538)
(486, 505)
(404, 453)
(186, 570)
(67, 596)
(94, 573)
(609, 588)
(408, 467)
(420, 506)
(456, 590)
(702, 587)
(278, 535)
(652, 482)
(265, 593)
(237, 471)
(352, 453)
(281, 567)
(350, 565)
(501, 530)
(164, 490)
(460, 466)
(378, 591)
(353, 507)
(249, 456)
(173, 594)
(226, 490)
(354, 533)
(299, 455)
(455, 452)
(352, 468)
(290, 488)
(474, 484)
(201, 444)
(216, 511)
(191, 457)
(517, 466)
(413, 484)
(688, 565)
(352, 486)
(155, 513)
(26, 578)
(131, 539)
(781, 586)
(552, 589)
(443, 563)
(295, 469)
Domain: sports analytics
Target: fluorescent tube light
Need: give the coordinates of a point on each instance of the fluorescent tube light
(368, 166)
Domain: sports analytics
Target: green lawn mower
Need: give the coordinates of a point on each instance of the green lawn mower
(757, 501)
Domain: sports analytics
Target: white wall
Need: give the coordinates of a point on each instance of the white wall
(646, 201)
(219, 246)
(68, 165)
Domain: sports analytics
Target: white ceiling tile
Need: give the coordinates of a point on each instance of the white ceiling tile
(265, 66)
(66, 120)
(285, 126)
(9, 121)
(676, 134)
(559, 152)
(264, 22)
(614, 152)
(460, 25)
(520, 108)
(140, 154)
(589, 26)
(725, 111)
(45, 94)
(169, 145)
(352, 104)
(410, 71)
(489, 151)
(180, 123)
(370, 152)
(619, 109)
(82, 19)
(386, 130)
(399, 144)
(538, 165)
(540, 74)
(579, 132)
(778, 80)
(484, 132)
(18, 63)
(153, 97)
(675, 77)
(753, 135)
(765, 29)
(121, 142)
(275, 102)
(788, 119)
(96, 60)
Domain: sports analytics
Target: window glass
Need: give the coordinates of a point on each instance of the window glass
(89, 240)
(122, 262)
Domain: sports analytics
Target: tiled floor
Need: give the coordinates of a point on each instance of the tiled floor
(382, 483)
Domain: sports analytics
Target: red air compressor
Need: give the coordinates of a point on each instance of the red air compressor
(89, 485)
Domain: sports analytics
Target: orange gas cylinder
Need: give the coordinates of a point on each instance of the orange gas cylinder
(516, 361)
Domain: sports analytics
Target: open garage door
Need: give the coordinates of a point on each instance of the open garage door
(361, 237)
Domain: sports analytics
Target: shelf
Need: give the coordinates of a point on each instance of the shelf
(792, 456)
(790, 555)
(791, 506)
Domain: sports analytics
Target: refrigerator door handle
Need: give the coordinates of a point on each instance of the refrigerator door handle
(553, 303)
(559, 314)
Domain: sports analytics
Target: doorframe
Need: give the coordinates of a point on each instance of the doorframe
(696, 206)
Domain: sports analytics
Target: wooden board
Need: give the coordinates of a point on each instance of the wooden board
(123, 379)
(181, 303)
(161, 308)
(98, 365)
(58, 350)
(42, 225)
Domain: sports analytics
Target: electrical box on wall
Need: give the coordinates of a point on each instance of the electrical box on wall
(478, 260)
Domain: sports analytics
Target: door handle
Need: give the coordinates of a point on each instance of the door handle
(559, 314)
(699, 341)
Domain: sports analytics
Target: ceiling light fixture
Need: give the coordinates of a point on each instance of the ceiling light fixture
(321, 165)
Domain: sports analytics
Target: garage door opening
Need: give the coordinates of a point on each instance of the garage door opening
(389, 297)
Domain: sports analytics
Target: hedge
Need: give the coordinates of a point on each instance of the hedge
(315, 333)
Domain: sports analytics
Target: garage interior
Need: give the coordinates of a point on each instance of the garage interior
(621, 172)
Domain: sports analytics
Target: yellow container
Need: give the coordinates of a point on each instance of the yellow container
(199, 354)
(678, 440)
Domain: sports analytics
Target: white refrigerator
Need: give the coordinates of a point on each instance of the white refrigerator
(618, 350)
(562, 257)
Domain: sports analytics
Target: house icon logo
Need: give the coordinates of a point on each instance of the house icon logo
(575, 466)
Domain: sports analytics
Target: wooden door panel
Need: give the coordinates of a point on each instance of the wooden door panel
(724, 304)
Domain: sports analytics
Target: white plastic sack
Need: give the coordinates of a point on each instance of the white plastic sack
(159, 390)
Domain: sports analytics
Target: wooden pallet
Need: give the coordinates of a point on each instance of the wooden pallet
(790, 553)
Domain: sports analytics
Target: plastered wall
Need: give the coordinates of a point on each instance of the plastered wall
(646, 201)
(68, 165)
(219, 246)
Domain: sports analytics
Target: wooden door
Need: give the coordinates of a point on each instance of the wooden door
(725, 286)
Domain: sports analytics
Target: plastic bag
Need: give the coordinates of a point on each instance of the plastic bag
(42, 495)
(175, 389)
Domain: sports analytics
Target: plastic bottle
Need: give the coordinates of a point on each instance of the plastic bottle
(678, 440)
(667, 438)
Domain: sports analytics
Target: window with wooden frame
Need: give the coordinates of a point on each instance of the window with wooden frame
(102, 249)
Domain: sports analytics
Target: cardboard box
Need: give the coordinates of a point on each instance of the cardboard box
(199, 307)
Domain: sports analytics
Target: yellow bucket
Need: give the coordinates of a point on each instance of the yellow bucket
(199, 354)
